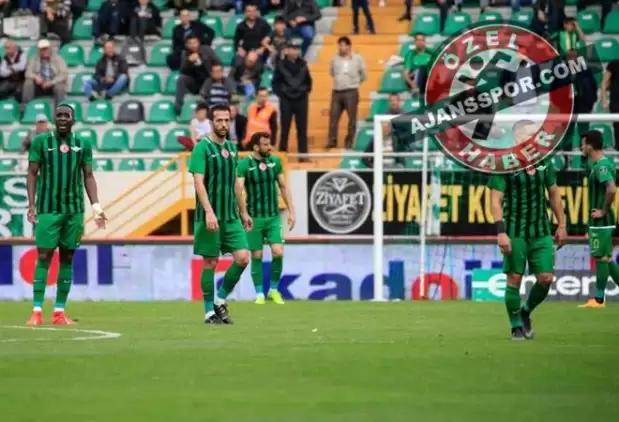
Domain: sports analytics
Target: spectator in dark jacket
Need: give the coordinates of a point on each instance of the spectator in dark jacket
(55, 18)
(251, 34)
(112, 20)
(111, 74)
(292, 83)
(182, 31)
(145, 20)
(196, 64)
(12, 71)
(247, 74)
(301, 16)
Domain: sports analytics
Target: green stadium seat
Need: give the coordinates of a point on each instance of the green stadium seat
(266, 80)
(94, 5)
(230, 27)
(187, 111)
(365, 135)
(7, 165)
(323, 3)
(378, 106)
(490, 17)
(102, 164)
(426, 24)
(405, 48)
(171, 144)
(35, 107)
(115, 140)
(77, 107)
(9, 112)
(158, 54)
(215, 23)
(77, 85)
(99, 112)
(522, 18)
(226, 53)
(32, 51)
(82, 28)
(611, 24)
(96, 53)
(88, 135)
(162, 162)
(392, 82)
(607, 49)
(170, 84)
(73, 54)
(16, 138)
(456, 22)
(412, 105)
(132, 164)
(1, 141)
(161, 4)
(349, 163)
(161, 112)
(146, 140)
(147, 83)
(589, 21)
(168, 28)
(270, 18)
(607, 133)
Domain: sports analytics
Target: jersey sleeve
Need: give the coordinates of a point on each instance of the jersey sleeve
(604, 173)
(497, 183)
(198, 159)
(279, 167)
(551, 174)
(241, 169)
(35, 153)
(87, 156)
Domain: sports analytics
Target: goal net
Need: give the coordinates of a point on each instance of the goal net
(440, 211)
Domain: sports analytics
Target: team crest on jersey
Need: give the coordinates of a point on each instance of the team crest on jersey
(531, 170)
(262, 166)
(64, 148)
(225, 153)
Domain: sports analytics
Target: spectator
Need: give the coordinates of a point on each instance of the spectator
(217, 89)
(389, 137)
(610, 82)
(12, 71)
(77, 8)
(252, 34)
(112, 20)
(261, 117)
(278, 39)
(183, 30)
(145, 20)
(41, 126)
(348, 71)
(555, 13)
(46, 74)
(196, 64)
(301, 16)
(28, 7)
(247, 74)
(539, 24)
(55, 19)
(416, 65)
(111, 75)
(200, 124)
(238, 124)
(570, 38)
(292, 83)
(585, 96)
(369, 22)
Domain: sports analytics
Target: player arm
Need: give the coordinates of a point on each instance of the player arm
(34, 164)
(283, 188)
(497, 188)
(611, 190)
(239, 185)
(556, 205)
(604, 88)
(198, 183)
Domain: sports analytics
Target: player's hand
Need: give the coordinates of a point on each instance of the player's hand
(100, 220)
(291, 221)
(586, 236)
(606, 104)
(560, 236)
(32, 215)
(211, 222)
(595, 213)
(505, 244)
(248, 223)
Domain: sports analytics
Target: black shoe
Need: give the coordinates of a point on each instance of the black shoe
(332, 144)
(404, 17)
(223, 314)
(518, 334)
(527, 324)
(213, 319)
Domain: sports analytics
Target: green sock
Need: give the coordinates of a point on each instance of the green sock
(40, 282)
(207, 281)
(601, 278)
(256, 274)
(231, 277)
(276, 271)
(614, 272)
(537, 295)
(63, 284)
(512, 304)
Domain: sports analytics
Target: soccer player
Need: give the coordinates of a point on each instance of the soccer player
(60, 166)
(219, 203)
(602, 191)
(524, 234)
(261, 174)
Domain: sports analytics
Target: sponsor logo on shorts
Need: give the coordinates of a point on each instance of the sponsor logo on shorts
(340, 201)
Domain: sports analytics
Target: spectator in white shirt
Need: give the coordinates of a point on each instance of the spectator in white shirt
(200, 124)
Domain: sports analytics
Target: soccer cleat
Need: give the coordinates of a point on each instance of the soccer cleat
(223, 314)
(518, 334)
(276, 297)
(260, 300)
(527, 325)
(212, 319)
(592, 303)
(36, 318)
(59, 318)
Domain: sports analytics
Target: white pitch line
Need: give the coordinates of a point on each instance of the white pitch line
(98, 334)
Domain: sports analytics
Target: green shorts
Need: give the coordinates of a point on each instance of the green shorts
(601, 241)
(266, 230)
(230, 237)
(538, 253)
(59, 230)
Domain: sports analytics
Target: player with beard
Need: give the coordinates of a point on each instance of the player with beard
(219, 204)
(60, 167)
(261, 174)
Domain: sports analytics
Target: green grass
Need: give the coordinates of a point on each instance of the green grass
(312, 362)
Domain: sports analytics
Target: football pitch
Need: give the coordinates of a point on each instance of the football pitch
(309, 362)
